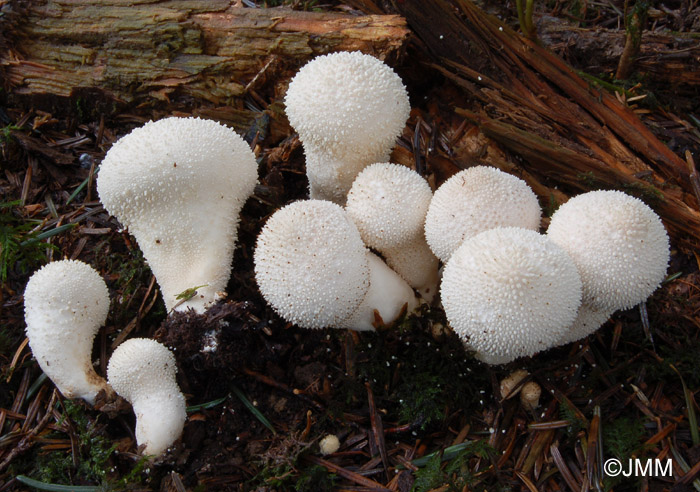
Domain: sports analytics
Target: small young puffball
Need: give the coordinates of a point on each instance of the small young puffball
(388, 202)
(348, 109)
(510, 293)
(142, 371)
(618, 244)
(178, 185)
(509, 383)
(329, 444)
(65, 304)
(475, 200)
(530, 395)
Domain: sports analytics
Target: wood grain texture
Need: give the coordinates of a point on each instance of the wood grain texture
(211, 51)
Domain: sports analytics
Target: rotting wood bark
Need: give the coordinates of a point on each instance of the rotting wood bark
(536, 106)
(211, 51)
(665, 58)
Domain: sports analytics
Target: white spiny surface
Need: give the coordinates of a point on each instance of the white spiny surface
(509, 293)
(618, 244)
(348, 109)
(142, 371)
(65, 304)
(475, 200)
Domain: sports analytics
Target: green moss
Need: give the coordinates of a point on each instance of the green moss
(20, 248)
(456, 473)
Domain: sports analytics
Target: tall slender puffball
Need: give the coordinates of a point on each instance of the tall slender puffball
(314, 270)
(65, 303)
(178, 185)
(618, 244)
(475, 200)
(348, 109)
(142, 371)
(388, 203)
(510, 293)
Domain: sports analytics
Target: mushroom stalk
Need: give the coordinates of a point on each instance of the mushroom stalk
(142, 371)
(385, 300)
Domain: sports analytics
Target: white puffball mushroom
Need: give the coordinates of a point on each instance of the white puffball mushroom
(142, 371)
(310, 264)
(530, 395)
(475, 200)
(178, 185)
(509, 293)
(65, 304)
(329, 444)
(314, 270)
(348, 109)
(618, 244)
(510, 382)
(588, 320)
(388, 202)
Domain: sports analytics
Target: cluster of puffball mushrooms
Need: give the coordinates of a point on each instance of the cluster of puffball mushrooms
(179, 184)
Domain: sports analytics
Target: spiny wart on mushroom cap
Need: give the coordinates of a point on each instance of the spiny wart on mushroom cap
(475, 200)
(178, 185)
(510, 293)
(348, 109)
(618, 244)
(313, 269)
(388, 202)
(142, 371)
(588, 320)
(65, 304)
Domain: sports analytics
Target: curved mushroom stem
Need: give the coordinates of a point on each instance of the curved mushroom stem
(415, 263)
(387, 295)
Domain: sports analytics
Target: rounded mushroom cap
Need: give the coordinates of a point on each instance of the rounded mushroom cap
(347, 103)
(388, 203)
(65, 303)
(618, 244)
(510, 293)
(167, 161)
(178, 185)
(140, 367)
(310, 264)
(475, 200)
(67, 291)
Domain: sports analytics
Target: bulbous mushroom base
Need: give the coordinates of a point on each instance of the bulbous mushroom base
(388, 293)
(160, 419)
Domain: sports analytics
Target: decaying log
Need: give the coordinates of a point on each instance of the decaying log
(210, 51)
(665, 58)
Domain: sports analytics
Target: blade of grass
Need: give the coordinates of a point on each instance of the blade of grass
(57, 488)
(207, 405)
(47, 234)
(263, 420)
(447, 454)
(81, 186)
(692, 416)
